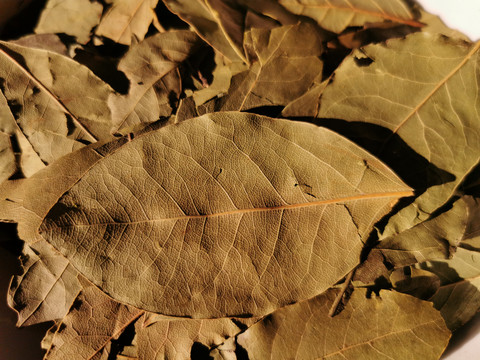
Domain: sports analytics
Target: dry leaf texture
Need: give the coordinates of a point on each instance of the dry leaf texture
(391, 326)
(185, 219)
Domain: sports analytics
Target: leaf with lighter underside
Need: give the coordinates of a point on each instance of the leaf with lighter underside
(152, 67)
(434, 109)
(184, 219)
(46, 289)
(390, 326)
(58, 104)
(337, 15)
(93, 321)
(72, 17)
(126, 20)
(287, 64)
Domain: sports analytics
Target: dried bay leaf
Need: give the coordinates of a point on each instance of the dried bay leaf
(199, 16)
(26, 162)
(92, 322)
(72, 17)
(27, 201)
(58, 104)
(436, 238)
(47, 288)
(337, 15)
(288, 65)
(126, 19)
(159, 337)
(392, 325)
(416, 282)
(204, 229)
(433, 110)
(7, 157)
(152, 67)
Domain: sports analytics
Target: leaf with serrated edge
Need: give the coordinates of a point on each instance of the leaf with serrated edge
(209, 216)
(392, 325)
(337, 15)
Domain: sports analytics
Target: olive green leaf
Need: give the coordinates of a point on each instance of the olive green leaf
(72, 17)
(337, 15)
(458, 297)
(432, 110)
(420, 283)
(389, 326)
(126, 20)
(210, 216)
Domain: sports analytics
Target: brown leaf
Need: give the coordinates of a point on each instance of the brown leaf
(432, 111)
(46, 289)
(288, 65)
(153, 70)
(7, 157)
(337, 15)
(58, 104)
(160, 337)
(126, 20)
(392, 325)
(92, 322)
(210, 216)
(72, 17)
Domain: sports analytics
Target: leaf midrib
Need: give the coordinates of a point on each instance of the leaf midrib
(470, 54)
(393, 194)
(42, 87)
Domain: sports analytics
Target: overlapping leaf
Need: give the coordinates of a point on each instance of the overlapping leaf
(155, 83)
(392, 325)
(73, 17)
(218, 212)
(230, 213)
(374, 87)
(336, 15)
(126, 20)
(58, 104)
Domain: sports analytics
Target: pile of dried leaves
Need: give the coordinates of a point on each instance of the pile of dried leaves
(251, 179)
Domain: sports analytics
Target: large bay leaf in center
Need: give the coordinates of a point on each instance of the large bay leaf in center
(226, 214)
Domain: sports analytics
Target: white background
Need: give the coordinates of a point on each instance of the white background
(463, 15)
